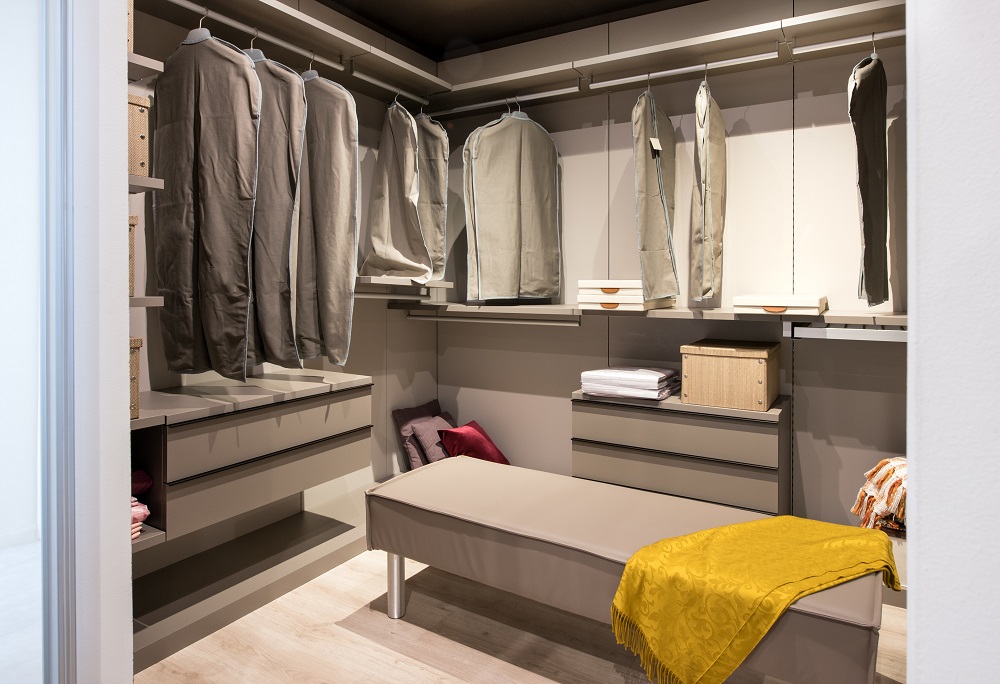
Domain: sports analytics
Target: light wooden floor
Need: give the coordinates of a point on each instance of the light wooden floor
(334, 629)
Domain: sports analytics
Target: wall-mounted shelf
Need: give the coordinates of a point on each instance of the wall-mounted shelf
(137, 184)
(140, 67)
(144, 302)
(751, 47)
(215, 397)
(149, 536)
(308, 34)
(819, 331)
(398, 289)
(530, 314)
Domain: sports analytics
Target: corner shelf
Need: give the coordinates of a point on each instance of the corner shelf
(144, 302)
(140, 67)
(149, 536)
(137, 184)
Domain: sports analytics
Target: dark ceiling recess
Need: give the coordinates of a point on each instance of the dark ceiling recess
(442, 29)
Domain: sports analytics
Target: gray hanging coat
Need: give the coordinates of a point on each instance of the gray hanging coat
(432, 202)
(208, 102)
(328, 222)
(654, 189)
(513, 166)
(866, 93)
(393, 242)
(709, 206)
(282, 129)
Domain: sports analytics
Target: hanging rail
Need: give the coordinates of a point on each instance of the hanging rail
(694, 68)
(267, 37)
(508, 101)
(845, 42)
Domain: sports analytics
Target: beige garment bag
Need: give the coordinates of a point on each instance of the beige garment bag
(709, 207)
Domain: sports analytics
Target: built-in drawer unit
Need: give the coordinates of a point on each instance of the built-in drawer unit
(729, 456)
(203, 501)
(206, 445)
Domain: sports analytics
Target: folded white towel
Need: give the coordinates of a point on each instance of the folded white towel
(622, 376)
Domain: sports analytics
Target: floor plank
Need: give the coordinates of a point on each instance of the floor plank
(334, 629)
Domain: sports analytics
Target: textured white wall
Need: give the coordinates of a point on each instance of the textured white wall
(954, 245)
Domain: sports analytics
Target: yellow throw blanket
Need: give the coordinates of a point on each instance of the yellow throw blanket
(694, 607)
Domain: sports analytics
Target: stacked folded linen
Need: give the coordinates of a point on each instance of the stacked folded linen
(620, 295)
(631, 383)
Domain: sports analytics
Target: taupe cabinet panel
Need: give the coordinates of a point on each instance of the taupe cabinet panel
(725, 483)
(734, 457)
(203, 501)
(203, 446)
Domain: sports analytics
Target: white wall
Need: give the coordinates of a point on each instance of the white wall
(21, 196)
(101, 431)
(954, 247)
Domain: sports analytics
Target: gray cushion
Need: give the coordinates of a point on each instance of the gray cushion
(404, 419)
(426, 432)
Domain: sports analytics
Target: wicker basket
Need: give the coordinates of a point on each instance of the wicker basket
(134, 345)
(133, 221)
(138, 135)
(131, 23)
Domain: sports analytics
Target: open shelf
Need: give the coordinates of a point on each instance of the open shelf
(137, 184)
(673, 403)
(398, 288)
(195, 596)
(214, 397)
(140, 67)
(144, 302)
(149, 536)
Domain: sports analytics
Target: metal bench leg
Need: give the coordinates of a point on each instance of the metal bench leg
(396, 592)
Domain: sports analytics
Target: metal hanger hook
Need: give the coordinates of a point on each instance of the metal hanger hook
(256, 32)
(648, 87)
(311, 61)
(507, 102)
(517, 103)
(873, 43)
(396, 99)
(203, 17)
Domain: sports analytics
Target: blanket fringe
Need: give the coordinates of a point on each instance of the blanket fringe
(628, 634)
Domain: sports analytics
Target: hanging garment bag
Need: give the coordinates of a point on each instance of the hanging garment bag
(328, 222)
(208, 101)
(432, 203)
(282, 129)
(393, 243)
(866, 101)
(653, 150)
(469, 195)
(709, 206)
(516, 205)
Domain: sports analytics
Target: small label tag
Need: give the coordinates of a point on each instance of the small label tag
(655, 143)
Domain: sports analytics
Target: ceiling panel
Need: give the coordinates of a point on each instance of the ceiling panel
(442, 29)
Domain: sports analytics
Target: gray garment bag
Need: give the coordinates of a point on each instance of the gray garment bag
(282, 129)
(469, 193)
(393, 243)
(654, 189)
(515, 203)
(207, 112)
(432, 203)
(709, 205)
(328, 222)
(867, 107)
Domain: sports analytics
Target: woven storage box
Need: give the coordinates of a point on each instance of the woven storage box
(134, 345)
(728, 374)
(133, 221)
(138, 135)
(131, 24)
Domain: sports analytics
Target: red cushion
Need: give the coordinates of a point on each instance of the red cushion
(471, 440)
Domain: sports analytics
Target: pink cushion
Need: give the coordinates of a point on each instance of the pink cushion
(404, 419)
(471, 440)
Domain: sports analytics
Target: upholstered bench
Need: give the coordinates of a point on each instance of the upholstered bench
(564, 542)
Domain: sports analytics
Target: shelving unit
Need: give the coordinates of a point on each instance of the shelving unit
(137, 184)
(140, 67)
(149, 536)
(144, 302)
(399, 289)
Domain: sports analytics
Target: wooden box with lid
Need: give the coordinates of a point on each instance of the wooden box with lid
(730, 374)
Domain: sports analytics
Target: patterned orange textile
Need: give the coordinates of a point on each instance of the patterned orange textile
(881, 503)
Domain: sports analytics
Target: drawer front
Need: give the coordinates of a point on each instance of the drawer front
(723, 439)
(203, 446)
(207, 500)
(724, 483)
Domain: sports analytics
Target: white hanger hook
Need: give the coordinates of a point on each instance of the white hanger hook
(311, 61)
(256, 32)
(517, 103)
(203, 17)
(873, 44)
(507, 102)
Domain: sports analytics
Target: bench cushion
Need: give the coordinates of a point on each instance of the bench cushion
(564, 541)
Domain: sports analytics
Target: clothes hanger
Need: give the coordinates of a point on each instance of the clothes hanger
(310, 73)
(252, 53)
(199, 34)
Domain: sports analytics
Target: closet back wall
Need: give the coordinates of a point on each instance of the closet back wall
(792, 226)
